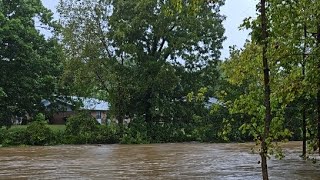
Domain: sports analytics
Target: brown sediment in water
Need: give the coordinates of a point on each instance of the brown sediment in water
(152, 161)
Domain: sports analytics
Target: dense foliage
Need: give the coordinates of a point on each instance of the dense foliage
(29, 63)
(278, 71)
(144, 61)
(157, 63)
(83, 129)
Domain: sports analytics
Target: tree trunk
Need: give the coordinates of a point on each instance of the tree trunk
(121, 105)
(264, 146)
(318, 93)
(304, 133)
(304, 124)
(148, 117)
(120, 114)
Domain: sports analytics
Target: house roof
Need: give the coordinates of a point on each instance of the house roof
(94, 104)
(212, 101)
(91, 104)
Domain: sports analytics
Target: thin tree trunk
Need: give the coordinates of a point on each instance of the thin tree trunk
(120, 101)
(120, 116)
(304, 124)
(264, 146)
(148, 117)
(304, 133)
(318, 93)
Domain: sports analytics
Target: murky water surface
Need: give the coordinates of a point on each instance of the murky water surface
(155, 161)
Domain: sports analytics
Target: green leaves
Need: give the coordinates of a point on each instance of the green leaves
(29, 64)
(148, 54)
(244, 71)
(293, 66)
(2, 93)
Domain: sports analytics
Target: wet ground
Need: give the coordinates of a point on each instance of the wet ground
(156, 161)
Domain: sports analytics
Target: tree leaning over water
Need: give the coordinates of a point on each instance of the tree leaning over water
(144, 56)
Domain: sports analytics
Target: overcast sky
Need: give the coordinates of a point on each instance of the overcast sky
(234, 10)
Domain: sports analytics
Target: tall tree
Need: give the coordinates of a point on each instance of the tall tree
(284, 41)
(153, 52)
(293, 28)
(292, 52)
(304, 118)
(318, 82)
(244, 71)
(29, 63)
(266, 75)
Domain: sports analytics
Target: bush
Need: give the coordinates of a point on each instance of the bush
(170, 132)
(39, 134)
(134, 137)
(2, 134)
(81, 128)
(108, 134)
(40, 117)
(58, 137)
(15, 137)
(136, 133)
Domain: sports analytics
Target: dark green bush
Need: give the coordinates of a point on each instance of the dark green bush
(136, 133)
(58, 137)
(2, 134)
(39, 134)
(108, 134)
(15, 137)
(81, 128)
(40, 117)
(167, 132)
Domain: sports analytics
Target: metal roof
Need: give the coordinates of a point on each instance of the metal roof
(92, 104)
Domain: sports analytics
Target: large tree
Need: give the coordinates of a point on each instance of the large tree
(147, 55)
(284, 37)
(29, 63)
(296, 34)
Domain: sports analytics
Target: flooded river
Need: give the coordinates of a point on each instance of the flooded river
(155, 161)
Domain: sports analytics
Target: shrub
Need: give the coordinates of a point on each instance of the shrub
(58, 137)
(39, 134)
(2, 134)
(15, 136)
(40, 117)
(81, 128)
(136, 133)
(170, 132)
(108, 134)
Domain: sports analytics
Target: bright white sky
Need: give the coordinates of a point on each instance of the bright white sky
(234, 10)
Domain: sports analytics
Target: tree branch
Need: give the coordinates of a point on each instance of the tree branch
(102, 37)
(162, 44)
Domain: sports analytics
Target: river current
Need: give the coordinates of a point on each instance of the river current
(231, 161)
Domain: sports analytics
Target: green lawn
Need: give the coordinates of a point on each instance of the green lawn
(52, 127)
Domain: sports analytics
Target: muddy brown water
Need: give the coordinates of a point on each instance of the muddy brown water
(154, 161)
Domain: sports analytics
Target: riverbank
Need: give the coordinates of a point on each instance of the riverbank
(39, 133)
(84, 129)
